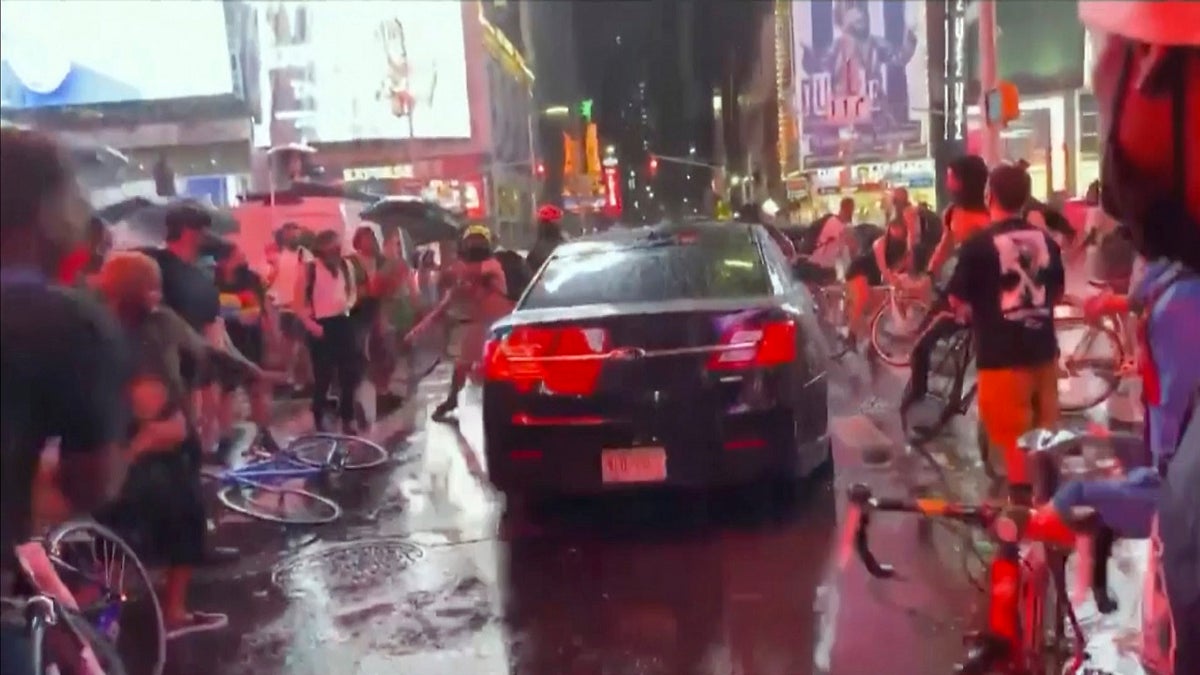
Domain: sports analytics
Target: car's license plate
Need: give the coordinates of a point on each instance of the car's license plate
(634, 465)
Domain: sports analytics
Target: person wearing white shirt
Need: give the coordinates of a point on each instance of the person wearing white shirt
(285, 269)
(323, 294)
(834, 242)
(833, 247)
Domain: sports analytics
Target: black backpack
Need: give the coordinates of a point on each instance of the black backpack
(812, 235)
(517, 273)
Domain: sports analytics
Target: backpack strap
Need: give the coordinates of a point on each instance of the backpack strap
(310, 282)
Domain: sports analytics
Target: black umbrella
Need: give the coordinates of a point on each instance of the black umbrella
(425, 222)
(149, 216)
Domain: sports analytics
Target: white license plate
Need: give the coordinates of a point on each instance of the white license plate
(635, 465)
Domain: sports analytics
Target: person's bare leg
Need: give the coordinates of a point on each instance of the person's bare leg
(174, 597)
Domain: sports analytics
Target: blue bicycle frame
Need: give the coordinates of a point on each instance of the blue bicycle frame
(272, 471)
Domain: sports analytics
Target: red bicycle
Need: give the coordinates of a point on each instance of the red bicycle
(1028, 606)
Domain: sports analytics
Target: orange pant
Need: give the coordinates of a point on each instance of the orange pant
(1013, 401)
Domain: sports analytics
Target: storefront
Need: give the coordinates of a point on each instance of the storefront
(456, 183)
(869, 186)
(1039, 137)
(1043, 53)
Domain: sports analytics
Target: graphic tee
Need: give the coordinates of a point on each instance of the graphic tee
(1010, 274)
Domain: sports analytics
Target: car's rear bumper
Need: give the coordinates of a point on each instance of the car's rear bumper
(732, 450)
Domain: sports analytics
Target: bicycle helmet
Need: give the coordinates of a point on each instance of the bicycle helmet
(549, 213)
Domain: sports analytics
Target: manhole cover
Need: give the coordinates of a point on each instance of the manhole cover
(351, 565)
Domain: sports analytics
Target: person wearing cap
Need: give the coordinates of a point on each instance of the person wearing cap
(1147, 86)
(1007, 281)
(549, 236)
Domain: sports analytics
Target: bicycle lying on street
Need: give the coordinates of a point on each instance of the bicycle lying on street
(1028, 605)
(264, 489)
(78, 611)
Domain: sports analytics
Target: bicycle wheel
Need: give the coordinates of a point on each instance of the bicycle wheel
(64, 647)
(337, 451)
(947, 383)
(289, 506)
(1090, 359)
(895, 329)
(113, 589)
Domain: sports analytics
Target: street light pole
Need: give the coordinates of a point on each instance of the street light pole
(988, 77)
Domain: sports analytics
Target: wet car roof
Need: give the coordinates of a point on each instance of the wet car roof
(618, 238)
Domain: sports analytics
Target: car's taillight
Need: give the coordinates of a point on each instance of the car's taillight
(566, 360)
(746, 346)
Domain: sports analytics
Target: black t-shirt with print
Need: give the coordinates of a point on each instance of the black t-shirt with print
(1011, 274)
(65, 371)
(187, 289)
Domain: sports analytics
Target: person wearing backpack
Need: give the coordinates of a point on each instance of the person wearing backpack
(325, 294)
(292, 258)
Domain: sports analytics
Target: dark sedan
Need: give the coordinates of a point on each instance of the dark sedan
(678, 354)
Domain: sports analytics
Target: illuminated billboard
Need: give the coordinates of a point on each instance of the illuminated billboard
(861, 79)
(72, 52)
(352, 69)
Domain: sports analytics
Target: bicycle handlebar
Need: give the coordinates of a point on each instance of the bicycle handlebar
(977, 516)
(860, 495)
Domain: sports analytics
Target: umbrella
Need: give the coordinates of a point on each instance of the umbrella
(425, 222)
(292, 147)
(148, 217)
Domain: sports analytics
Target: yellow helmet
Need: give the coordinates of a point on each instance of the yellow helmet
(478, 231)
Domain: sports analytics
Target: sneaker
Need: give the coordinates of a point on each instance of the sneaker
(198, 622)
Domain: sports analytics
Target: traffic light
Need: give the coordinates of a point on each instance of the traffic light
(1002, 105)
(540, 169)
(585, 109)
(653, 165)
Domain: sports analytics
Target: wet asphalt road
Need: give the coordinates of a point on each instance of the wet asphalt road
(426, 573)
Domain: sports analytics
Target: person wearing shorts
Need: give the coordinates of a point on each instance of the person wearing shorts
(1007, 281)
(887, 257)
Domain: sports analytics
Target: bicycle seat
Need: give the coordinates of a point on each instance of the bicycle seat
(1052, 441)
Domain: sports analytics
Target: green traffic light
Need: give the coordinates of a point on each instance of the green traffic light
(585, 108)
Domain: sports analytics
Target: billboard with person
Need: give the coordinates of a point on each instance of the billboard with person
(861, 80)
(355, 69)
(89, 52)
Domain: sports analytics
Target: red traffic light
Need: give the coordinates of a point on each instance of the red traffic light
(653, 164)
(540, 169)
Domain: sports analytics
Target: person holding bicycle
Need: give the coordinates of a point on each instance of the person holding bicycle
(1147, 75)
(884, 263)
(1007, 281)
(966, 180)
(64, 370)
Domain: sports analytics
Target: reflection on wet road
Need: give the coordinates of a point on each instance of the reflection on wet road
(423, 575)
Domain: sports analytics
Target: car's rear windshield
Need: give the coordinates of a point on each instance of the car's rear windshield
(710, 263)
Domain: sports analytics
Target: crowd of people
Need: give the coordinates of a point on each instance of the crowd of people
(130, 362)
(127, 361)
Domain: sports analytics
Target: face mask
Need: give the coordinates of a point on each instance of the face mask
(476, 254)
(1160, 224)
